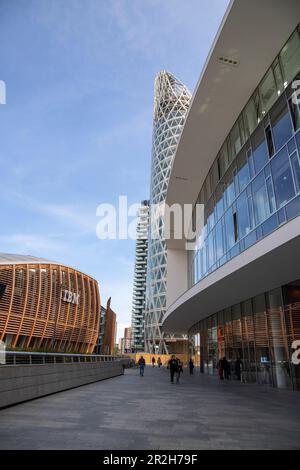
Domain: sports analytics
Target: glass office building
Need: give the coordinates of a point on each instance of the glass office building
(253, 186)
(241, 297)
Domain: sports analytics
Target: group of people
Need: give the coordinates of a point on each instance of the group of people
(159, 362)
(174, 365)
(224, 369)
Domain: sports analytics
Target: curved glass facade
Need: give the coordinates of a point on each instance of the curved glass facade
(260, 332)
(171, 102)
(253, 186)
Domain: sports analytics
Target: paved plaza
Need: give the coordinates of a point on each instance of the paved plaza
(130, 412)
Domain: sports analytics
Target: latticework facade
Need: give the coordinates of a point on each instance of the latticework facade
(171, 102)
(47, 306)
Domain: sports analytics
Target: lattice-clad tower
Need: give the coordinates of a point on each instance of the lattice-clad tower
(140, 272)
(171, 102)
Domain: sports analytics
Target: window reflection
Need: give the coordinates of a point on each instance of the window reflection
(259, 148)
(282, 177)
(243, 215)
(260, 199)
(268, 91)
(289, 58)
(281, 123)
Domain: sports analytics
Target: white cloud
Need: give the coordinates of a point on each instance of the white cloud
(31, 244)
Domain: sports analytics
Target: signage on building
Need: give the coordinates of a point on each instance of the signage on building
(70, 297)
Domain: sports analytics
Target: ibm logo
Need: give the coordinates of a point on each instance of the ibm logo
(2, 92)
(70, 297)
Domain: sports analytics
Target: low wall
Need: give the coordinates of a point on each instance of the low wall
(25, 382)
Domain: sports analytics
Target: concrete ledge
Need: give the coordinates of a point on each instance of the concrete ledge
(23, 383)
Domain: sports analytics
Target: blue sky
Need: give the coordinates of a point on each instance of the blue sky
(76, 129)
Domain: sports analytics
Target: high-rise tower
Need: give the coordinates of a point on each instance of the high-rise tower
(171, 102)
(139, 285)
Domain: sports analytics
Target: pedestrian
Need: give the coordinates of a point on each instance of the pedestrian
(226, 368)
(142, 364)
(238, 368)
(159, 363)
(191, 366)
(220, 369)
(153, 361)
(173, 366)
(179, 370)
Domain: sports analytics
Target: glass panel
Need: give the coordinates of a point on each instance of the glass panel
(250, 118)
(270, 225)
(282, 178)
(268, 92)
(258, 107)
(278, 77)
(215, 175)
(230, 190)
(224, 160)
(293, 208)
(235, 139)
(296, 170)
(219, 240)
(243, 215)
(281, 123)
(229, 230)
(295, 113)
(270, 141)
(260, 199)
(271, 195)
(211, 251)
(220, 201)
(243, 170)
(289, 58)
(298, 140)
(260, 150)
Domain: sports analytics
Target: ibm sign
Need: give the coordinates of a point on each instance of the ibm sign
(70, 297)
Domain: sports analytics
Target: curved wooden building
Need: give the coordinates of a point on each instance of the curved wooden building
(47, 306)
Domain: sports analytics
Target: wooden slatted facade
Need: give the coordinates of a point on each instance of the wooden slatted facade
(35, 315)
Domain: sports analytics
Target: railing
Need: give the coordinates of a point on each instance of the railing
(21, 358)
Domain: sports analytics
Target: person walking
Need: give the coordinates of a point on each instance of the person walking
(142, 364)
(191, 366)
(153, 361)
(159, 363)
(179, 370)
(226, 368)
(220, 369)
(238, 369)
(173, 366)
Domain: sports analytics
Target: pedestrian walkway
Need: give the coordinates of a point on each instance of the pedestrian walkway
(133, 412)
